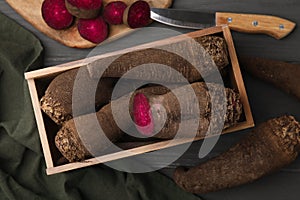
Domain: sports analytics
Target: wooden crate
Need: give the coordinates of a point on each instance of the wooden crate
(38, 80)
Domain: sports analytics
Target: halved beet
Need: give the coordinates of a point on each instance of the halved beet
(94, 30)
(137, 14)
(56, 15)
(142, 115)
(85, 9)
(113, 12)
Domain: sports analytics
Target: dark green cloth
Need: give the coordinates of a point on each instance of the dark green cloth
(22, 166)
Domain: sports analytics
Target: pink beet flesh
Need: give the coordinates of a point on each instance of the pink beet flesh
(142, 115)
(56, 15)
(94, 30)
(138, 14)
(113, 12)
(86, 4)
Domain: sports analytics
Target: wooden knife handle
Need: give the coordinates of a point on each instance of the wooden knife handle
(253, 23)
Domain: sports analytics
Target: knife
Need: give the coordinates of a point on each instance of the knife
(248, 23)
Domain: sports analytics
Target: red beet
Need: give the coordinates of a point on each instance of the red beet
(56, 15)
(137, 14)
(113, 12)
(94, 30)
(142, 114)
(86, 9)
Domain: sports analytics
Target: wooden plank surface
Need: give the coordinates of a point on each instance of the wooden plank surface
(266, 101)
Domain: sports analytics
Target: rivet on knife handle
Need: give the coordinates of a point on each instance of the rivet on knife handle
(252, 23)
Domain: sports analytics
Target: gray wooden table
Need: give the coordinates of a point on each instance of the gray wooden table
(266, 101)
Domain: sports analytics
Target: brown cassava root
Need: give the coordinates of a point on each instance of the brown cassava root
(70, 143)
(57, 101)
(73, 148)
(269, 147)
(214, 46)
(281, 74)
(232, 107)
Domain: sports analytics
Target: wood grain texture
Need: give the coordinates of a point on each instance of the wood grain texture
(238, 79)
(30, 10)
(40, 126)
(252, 23)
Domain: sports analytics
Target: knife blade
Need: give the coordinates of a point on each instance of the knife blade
(248, 23)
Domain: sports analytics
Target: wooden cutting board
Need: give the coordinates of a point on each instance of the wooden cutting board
(30, 10)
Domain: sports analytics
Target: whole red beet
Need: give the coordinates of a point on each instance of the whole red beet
(137, 14)
(113, 12)
(56, 15)
(94, 30)
(86, 9)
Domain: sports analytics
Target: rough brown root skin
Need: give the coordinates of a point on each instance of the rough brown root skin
(54, 109)
(215, 47)
(281, 74)
(71, 144)
(58, 96)
(174, 112)
(269, 147)
(57, 101)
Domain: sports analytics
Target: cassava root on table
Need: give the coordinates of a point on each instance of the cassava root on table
(281, 74)
(269, 147)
